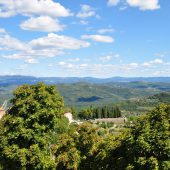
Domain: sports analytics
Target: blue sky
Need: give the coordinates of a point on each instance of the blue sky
(103, 38)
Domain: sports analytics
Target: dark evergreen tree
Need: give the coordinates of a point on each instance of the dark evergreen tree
(105, 111)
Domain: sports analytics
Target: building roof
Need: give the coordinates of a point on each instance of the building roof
(116, 120)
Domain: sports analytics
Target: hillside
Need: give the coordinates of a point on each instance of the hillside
(83, 94)
(133, 107)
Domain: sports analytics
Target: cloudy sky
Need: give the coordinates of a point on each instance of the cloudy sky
(97, 38)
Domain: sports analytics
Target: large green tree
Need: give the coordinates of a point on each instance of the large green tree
(27, 129)
(149, 141)
(77, 149)
(67, 156)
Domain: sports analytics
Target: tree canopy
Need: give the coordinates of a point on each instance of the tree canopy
(28, 127)
(34, 135)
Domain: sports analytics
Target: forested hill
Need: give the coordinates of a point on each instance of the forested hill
(4, 80)
(83, 94)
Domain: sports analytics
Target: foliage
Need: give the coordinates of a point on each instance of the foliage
(112, 153)
(77, 150)
(100, 112)
(67, 156)
(27, 128)
(149, 142)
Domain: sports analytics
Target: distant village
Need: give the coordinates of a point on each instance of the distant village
(119, 120)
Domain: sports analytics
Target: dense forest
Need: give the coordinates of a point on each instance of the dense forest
(100, 112)
(35, 134)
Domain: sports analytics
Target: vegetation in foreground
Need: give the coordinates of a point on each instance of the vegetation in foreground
(36, 135)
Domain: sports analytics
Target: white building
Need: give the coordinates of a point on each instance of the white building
(2, 112)
(69, 116)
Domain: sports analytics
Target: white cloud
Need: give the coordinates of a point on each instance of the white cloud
(82, 22)
(61, 63)
(106, 58)
(156, 61)
(50, 65)
(65, 65)
(54, 41)
(9, 43)
(94, 70)
(99, 38)
(105, 30)
(70, 66)
(86, 11)
(117, 56)
(122, 8)
(146, 64)
(141, 4)
(113, 2)
(74, 59)
(161, 55)
(31, 61)
(144, 4)
(2, 31)
(43, 52)
(42, 23)
(22, 67)
(83, 65)
(110, 70)
(153, 62)
(32, 7)
(133, 65)
(13, 56)
(49, 46)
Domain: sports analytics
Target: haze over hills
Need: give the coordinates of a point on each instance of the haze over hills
(83, 92)
(17, 79)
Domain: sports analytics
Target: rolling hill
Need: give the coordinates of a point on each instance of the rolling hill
(82, 92)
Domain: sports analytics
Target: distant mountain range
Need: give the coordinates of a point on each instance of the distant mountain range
(5, 80)
(83, 92)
